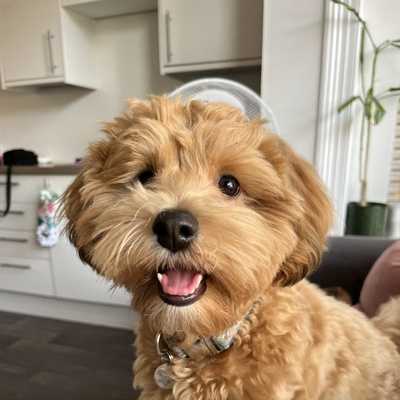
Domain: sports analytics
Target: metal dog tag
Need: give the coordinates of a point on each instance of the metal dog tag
(162, 376)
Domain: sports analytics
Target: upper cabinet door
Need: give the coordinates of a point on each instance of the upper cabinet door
(31, 44)
(209, 33)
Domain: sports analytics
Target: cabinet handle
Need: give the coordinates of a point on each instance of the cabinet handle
(15, 266)
(53, 66)
(14, 240)
(12, 183)
(168, 20)
(16, 212)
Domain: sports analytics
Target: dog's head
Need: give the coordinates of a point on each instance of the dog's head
(197, 211)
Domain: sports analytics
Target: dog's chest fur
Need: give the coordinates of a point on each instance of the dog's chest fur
(288, 351)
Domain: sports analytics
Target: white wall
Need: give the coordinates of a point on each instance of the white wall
(383, 18)
(60, 122)
(292, 52)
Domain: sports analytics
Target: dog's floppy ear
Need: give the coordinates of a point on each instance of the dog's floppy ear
(72, 207)
(309, 205)
(77, 201)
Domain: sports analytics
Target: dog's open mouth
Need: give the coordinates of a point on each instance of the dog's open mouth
(180, 287)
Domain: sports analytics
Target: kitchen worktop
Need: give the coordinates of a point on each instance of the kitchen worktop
(53, 169)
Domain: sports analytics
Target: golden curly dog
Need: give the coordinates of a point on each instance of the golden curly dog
(212, 223)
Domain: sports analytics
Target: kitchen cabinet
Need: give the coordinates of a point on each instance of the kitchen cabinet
(43, 44)
(208, 34)
(75, 281)
(109, 8)
(26, 275)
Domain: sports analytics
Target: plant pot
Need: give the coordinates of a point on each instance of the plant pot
(369, 220)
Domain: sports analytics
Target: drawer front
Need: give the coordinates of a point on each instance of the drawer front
(21, 244)
(26, 275)
(22, 216)
(25, 189)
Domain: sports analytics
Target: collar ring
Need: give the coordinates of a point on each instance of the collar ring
(164, 353)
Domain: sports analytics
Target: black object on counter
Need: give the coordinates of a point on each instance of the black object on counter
(11, 158)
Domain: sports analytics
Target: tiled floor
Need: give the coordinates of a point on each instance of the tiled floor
(43, 359)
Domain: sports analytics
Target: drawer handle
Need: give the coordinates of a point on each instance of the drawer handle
(168, 20)
(12, 183)
(16, 212)
(53, 66)
(11, 239)
(15, 266)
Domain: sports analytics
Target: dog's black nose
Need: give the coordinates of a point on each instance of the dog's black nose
(175, 229)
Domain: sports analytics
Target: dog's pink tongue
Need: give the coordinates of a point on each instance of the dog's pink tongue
(180, 283)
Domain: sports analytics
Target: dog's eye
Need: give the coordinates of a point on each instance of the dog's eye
(229, 185)
(145, 176)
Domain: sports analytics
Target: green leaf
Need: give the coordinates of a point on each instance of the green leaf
(378, 116)
(379, 111)
(368, 105)
(345, 5)
(356, 14)
(368, 111)
(348, 102)
(373, 108)
(388, 93)
(362, 47)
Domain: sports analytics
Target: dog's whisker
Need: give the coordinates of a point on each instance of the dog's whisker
(137, 212)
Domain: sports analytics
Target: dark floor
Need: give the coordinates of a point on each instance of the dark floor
(43, 359)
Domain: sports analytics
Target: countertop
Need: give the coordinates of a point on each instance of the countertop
(53, 169)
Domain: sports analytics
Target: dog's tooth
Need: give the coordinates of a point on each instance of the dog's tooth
(197, 280)
(159, 276)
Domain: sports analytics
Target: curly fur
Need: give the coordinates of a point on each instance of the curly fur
(299, 343)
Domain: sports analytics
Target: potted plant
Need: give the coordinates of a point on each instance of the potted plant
(363, 217)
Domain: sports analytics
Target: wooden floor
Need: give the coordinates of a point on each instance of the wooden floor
(43, 359)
